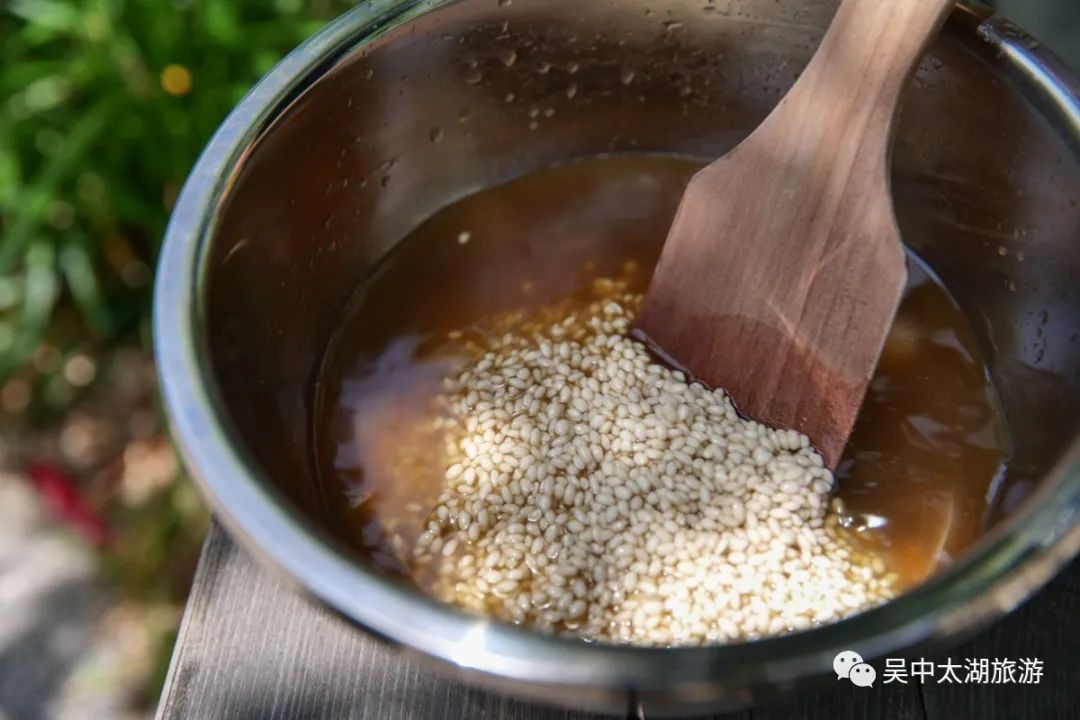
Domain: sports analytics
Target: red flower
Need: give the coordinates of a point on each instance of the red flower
(64, 502)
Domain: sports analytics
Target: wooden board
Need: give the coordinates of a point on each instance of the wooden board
(250, 648)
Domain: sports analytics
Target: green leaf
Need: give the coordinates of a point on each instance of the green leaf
(26, 215)
(51, 15)
(222, 22)
(10, 168)
(41, 285)
(39, 296)
(78, 269)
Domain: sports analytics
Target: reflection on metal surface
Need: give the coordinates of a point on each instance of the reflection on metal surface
(1042, 73)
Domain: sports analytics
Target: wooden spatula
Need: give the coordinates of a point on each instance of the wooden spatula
(784, 265)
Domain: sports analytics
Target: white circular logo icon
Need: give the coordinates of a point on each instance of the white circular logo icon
(862, 675)
(844, 661)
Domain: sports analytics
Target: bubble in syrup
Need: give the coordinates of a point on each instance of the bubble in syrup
(571, 91)
(543, 67)
(626, 76)
(473, 78)
(509, 97)
(436, 134)
(508, 57)
(505, 3)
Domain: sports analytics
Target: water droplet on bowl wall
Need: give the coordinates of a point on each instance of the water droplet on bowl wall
(508, 57)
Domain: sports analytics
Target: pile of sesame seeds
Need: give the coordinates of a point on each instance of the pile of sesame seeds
(593, 492)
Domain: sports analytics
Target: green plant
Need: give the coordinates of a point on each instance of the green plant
(104, 106)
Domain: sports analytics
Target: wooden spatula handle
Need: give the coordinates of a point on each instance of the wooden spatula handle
(863, 63)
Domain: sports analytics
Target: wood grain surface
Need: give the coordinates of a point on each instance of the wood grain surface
(784, 265)
(251, 648)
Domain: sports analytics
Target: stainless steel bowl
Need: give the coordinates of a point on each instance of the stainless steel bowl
(330, 161)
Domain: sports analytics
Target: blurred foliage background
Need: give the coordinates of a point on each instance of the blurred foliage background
(104, 107)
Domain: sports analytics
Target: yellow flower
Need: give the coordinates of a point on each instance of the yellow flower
(176, 80)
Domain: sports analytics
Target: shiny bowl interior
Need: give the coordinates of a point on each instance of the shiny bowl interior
(330, 161)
